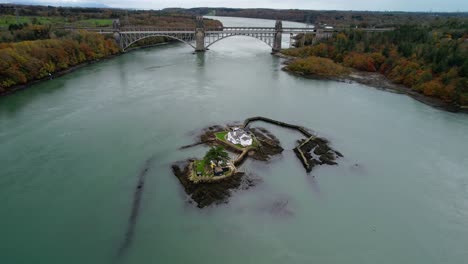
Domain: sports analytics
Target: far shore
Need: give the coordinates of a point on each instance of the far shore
(379, 81)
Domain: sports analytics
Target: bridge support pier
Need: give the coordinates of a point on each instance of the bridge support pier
(278, 37)
(118, 39)
(200, 35)
(200, 41)
(116, 35)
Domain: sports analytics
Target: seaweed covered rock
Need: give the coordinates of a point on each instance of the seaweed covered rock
(316, 151)
(269, 144)
(205, 194)
(207, 189)
(208, 135)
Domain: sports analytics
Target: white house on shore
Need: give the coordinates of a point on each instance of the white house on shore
(239, 136)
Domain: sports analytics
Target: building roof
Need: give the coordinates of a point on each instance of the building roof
(239, 136)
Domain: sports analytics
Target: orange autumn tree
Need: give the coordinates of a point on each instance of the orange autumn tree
(360, 61)
(317, 66)
(30, 60)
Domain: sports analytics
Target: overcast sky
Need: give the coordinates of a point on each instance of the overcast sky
(381, 5)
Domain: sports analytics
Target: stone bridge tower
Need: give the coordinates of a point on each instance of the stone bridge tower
(116, 30)
(200, 35)
(278, 36)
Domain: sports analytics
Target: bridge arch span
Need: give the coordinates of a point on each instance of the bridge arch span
(127, 45)
(265, 39)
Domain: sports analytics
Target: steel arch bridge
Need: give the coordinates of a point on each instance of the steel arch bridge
(201, 38)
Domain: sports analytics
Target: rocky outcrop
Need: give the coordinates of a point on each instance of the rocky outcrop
(311, 151)
(205, 194)
(315, 151)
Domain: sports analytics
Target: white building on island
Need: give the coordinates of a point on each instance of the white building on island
(239, 136)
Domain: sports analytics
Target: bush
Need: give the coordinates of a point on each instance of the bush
(360, 61)
(317, 66)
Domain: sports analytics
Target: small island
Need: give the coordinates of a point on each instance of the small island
(209, 179)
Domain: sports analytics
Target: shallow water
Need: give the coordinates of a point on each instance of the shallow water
(71, 151)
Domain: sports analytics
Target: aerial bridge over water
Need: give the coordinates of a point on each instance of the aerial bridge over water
(201, 38)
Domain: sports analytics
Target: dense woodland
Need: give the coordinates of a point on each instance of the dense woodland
(25, 61)
(34, 45)
(431, 59)
(329, 17)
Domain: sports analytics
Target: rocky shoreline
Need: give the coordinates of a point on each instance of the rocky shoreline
(209, 193)
(311, 151)
(218, 192)
(378, 81)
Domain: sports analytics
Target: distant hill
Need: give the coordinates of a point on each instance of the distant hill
(60, 3)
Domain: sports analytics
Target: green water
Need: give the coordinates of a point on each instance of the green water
(71, 150)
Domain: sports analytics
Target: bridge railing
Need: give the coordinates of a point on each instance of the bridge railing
(150, 28)
(240, 30)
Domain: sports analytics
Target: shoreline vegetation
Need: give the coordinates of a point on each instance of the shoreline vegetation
(27, 63)
(34, 47)
(19, 87)
(428, 63)
(372, 79)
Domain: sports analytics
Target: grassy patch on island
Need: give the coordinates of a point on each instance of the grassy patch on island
(221, 135)
(200, 166)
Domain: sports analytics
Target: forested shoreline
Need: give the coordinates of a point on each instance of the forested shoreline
(336, 18)
(26, 61)
(429, 59)
(34, 45)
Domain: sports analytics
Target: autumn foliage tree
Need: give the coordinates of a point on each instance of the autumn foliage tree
(30, 60)
(317, 66)
(432, 60)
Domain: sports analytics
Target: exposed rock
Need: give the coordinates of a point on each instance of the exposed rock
(206, 194)
(316, 152)
(269, 145)
(312, 151)
(208, 135)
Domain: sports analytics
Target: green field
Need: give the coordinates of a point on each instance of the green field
(93, 22)
(6, 20)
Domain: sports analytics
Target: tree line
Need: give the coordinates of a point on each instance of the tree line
(34, 50)
(328, 17)
(431, 59)
(26, 61)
